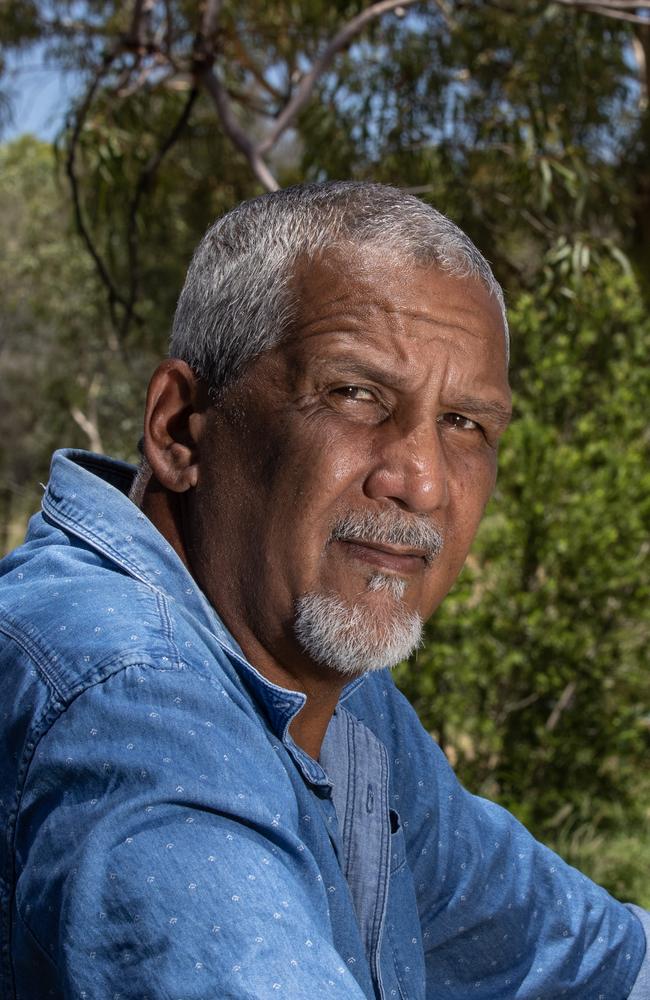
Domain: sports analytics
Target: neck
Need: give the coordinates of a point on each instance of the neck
(290, 668)
(164, 510)
(322, 687)
(310, 725)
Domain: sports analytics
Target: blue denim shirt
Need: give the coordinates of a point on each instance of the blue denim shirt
(164, 837)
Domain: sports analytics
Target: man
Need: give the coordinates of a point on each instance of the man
(210, 788)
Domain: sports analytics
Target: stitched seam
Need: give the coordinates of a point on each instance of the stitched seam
(166, 621)
(12, 628)
(33, 937)
(404, 994)
(102, 545)
(382, 889)
(349, 804)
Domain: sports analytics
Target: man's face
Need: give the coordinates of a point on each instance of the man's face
(353, 462)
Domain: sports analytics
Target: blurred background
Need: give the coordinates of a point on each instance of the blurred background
(128, 126)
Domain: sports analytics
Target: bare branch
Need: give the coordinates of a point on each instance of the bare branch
(247, 62)
(561, 705)
(517, 706)
(145, 181)
(630, 18)
(210, 14)
(235, 132)
(254, 152)
(447, 15)
(140, 31)
(641, 48)
(88, 421)
(629, 5)
(89, 428)
(169, 27)
(80, 118)
(128, 89)
(610, 8)
(204, 51)
(305, 87)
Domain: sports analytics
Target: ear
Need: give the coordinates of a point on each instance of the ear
(173, 425)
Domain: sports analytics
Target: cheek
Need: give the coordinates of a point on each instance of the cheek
(471, 491)
(323, 464)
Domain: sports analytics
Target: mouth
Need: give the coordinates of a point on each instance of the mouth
(389, 558)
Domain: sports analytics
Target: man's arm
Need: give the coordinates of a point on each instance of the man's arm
(501, 915)
(641, 990)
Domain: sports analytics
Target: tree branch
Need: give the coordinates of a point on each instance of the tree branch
(254, 152)
(80, 118)
(247, 62)
(204, 54)
(560, 706)
(203, 51)
(305, 87)
(609, 4)
(144, 183)
(642, 55)
(139, 32)
(615, 9)
(89, 422)
(235, 132)
(516, 706)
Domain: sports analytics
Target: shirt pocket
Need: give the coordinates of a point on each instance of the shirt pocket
(403, 932)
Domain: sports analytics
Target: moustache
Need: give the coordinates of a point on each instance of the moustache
(390, 528)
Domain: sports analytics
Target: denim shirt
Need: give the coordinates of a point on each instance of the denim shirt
(164, 837)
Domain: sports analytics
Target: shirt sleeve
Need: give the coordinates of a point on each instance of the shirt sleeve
(154, 865)
(501, 914)
(641, 989)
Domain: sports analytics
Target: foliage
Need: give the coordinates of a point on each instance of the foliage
(460, 101)
(55, 341)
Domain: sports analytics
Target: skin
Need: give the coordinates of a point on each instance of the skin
(390, 393)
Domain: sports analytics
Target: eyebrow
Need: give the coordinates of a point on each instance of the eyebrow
(493, 409)
(355, 368)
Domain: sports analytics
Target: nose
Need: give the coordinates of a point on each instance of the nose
(411, 470)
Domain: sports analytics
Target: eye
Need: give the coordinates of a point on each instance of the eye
(459, 422)
(355, 393)
(359, 403)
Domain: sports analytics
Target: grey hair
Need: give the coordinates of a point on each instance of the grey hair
(237, 299)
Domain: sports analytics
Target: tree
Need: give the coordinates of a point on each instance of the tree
(447, 97)
(139, 58)
(50, 302)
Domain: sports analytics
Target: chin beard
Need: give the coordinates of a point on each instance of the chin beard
(353, 638)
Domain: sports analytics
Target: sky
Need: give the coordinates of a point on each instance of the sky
(39, 96)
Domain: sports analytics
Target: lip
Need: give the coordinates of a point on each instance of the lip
(388, 557)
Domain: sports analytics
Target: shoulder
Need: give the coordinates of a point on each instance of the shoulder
(69, 612)
(81, 641)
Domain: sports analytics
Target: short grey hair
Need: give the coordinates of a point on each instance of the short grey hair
(237, 300)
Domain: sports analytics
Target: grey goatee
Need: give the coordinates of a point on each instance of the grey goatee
(352, 637)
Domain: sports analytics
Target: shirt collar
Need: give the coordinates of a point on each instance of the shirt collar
(87, 496)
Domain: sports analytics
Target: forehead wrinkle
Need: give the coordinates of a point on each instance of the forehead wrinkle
(439, 320)
(353, 367)
(362, 315)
